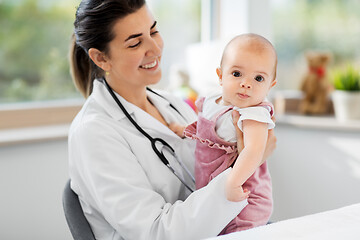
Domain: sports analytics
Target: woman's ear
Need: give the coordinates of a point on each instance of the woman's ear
(219, 73)
(100, 59)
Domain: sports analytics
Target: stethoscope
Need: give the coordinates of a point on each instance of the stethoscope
(153, 141)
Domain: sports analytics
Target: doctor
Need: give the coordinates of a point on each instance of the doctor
(126, 187)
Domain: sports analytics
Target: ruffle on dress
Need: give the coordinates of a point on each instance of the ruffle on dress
(190, 132)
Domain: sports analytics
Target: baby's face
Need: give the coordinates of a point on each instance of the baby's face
(246, 76)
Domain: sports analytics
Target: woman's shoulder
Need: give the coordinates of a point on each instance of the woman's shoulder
(90, 119)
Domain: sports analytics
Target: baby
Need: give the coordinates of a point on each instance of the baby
(246, 74)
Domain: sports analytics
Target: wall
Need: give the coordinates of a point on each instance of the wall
(314, 170)
(32, 178)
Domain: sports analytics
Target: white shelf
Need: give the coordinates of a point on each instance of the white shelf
(33, 134)
(318, 122)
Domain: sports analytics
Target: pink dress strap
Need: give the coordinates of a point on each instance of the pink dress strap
(270, 105)
(199, 103)
(220, 113)
(191, 131)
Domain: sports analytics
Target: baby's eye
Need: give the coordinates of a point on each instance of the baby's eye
(259, 78)
(236, 74)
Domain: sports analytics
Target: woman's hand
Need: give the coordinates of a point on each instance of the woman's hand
(271, 140)
(239, 133)
(234, 191)
(270, 145)
(178, 129)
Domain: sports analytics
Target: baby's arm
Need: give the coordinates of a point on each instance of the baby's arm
(255, 137)
(178, 129)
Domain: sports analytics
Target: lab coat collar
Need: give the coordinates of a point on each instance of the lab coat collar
(103, 97)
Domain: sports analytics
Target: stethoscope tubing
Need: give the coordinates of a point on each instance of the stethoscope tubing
(154, 140)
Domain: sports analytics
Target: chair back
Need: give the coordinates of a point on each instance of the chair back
(78, 225)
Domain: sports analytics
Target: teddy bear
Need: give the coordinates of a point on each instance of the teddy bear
(315, 84)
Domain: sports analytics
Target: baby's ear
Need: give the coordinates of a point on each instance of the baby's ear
(219, 73)
(273, 83)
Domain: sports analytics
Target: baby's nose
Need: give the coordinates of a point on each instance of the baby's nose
(245, 85)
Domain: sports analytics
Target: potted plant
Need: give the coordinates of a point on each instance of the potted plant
(346, 94)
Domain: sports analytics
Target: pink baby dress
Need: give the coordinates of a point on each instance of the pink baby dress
(213, 156)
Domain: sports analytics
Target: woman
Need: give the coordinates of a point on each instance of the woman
(124, 188)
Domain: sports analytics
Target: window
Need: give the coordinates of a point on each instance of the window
(325, 25)
(34, 43)
(35, 37)
(179, 25)
(293, 26)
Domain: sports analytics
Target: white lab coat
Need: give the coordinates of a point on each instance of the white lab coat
(125, 191)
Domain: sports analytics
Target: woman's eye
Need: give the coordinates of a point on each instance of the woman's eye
(259, 78)
(154, 33)
(236, 74)
(135, 45)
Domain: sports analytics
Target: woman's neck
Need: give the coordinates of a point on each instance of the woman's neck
(134, 95)
(138, 97)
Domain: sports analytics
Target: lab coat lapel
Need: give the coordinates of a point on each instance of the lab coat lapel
(105, 100)
(143, 119)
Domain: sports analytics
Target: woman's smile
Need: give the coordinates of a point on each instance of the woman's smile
(152, 65)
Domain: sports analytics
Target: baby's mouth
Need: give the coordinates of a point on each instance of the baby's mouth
(243, 96)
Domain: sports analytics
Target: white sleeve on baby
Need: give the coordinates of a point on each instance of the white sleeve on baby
(258, 113)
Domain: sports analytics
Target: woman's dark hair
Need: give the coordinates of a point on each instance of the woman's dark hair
(94, 21)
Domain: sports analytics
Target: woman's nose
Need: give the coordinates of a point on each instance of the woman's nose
(155, 47)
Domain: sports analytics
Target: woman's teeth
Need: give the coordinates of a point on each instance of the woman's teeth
(151, 65)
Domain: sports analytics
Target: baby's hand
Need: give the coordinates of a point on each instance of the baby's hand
(234, 191)
(178, 129)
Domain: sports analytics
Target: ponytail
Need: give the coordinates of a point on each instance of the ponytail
(80, 68)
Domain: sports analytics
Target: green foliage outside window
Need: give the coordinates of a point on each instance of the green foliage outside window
(34, 43)
(326, 25)
(35, 36)
(333, 25)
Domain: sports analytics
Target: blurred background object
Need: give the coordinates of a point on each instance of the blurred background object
(346, 97)
(315, 85)
(180, 86)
